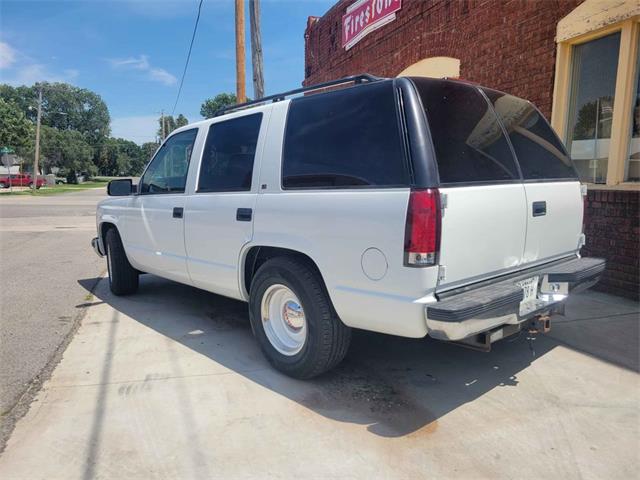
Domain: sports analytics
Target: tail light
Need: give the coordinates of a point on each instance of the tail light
(422, 230)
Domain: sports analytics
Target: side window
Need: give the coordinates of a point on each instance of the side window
(538, 151)
(167, 172)
(227, 162)
(469, 143)
(342, 139)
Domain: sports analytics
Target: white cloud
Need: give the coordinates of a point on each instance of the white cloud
(7, 55)
(139, 129)
(37, 72)
(141, 63)
(20, 69)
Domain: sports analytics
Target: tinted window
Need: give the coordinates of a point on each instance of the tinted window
(227, 162)
(167, 172)
(469, 142)
(539, 152)
(347, 138)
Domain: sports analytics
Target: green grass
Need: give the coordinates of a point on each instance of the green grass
(57, 189)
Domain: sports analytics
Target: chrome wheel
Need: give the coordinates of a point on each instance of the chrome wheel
(283, 319)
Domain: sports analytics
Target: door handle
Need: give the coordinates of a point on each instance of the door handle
(244, 214)
(539, 209)
(178, 212)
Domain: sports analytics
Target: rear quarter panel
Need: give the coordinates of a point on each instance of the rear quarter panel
(335, 228)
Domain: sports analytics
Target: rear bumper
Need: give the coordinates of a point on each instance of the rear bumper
(97, 247)
(468, 312)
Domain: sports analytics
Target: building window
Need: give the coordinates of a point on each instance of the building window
(596, 104)
(632, 168)
(593, 85)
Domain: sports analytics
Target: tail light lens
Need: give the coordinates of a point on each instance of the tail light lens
(422, 230)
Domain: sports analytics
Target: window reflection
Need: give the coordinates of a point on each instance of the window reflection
(632, 173)
(594, 71)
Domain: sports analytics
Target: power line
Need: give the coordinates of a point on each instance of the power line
(186, 64)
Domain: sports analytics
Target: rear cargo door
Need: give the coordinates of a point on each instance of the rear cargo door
(552, 189)
(484, 220)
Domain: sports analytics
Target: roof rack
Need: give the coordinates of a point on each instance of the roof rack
(364, 77)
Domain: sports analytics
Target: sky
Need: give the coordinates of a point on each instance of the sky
(132, 52)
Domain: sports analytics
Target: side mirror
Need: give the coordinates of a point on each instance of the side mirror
(120, 188)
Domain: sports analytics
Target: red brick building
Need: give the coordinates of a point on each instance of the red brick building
(577, 61)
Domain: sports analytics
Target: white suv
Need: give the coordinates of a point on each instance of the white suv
(406, 206)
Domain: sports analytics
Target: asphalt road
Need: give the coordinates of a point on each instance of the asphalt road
(44, 250)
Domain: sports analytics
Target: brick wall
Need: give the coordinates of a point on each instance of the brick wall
(613, 232)
(508, 45)
(504, 44)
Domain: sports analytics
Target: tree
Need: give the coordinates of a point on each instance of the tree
(84, 110)
(16, 131)
(181, 121)
(121, 157)
(170, 124)
(148, 150)
(67, 150)
(211, 105)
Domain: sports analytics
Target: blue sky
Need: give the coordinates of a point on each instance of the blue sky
(132, 52)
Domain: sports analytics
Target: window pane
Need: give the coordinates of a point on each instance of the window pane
(469, 142)
(343, 139)
(594, 71)
(167, 172)
(633, 160)
(227, 162)
(538, 150)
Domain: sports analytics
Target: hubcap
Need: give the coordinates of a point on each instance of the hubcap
(283, 319)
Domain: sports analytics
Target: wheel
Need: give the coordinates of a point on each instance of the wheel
(3, 185)
(123, 278)
(293, 319)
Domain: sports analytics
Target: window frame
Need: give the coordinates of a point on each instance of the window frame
(401, 125)
(624, 89)
(210, 127)
(186, 178)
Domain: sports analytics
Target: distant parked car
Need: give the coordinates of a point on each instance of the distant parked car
(20, 180)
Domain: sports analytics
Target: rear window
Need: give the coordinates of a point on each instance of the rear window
(344, 139)
(539, 152)
(468, 139)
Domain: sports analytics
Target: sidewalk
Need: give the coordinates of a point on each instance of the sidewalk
(170, 384)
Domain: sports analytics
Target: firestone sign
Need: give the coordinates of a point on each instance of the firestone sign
(365, 16)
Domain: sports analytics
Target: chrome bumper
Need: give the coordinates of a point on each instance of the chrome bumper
(97, 247)
(467, 312)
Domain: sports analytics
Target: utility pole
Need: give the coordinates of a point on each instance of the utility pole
(256, 48)
(36, 157)
(241, 93)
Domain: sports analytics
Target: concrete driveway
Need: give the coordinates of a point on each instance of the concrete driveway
(169, 383)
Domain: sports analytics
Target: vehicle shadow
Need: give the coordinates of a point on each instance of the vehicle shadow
(393, 386)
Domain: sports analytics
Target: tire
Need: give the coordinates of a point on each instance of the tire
(327, 339)
(3, 185)
(123, 278)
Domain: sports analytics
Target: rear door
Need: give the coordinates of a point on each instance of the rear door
(552, 189)
(484, 222)
(219, 214)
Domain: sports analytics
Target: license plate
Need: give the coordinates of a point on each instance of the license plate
(529, 289)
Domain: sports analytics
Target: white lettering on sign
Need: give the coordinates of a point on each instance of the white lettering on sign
(365, 16)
